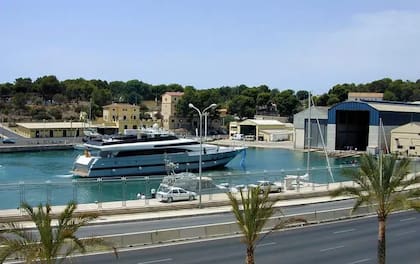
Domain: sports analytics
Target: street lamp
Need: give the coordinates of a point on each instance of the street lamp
(200, 114)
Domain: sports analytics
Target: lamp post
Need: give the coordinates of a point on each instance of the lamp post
(200, 114)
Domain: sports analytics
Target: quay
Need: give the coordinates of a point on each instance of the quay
(33, 148)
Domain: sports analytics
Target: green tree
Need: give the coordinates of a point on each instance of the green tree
(48, 86)
(19, 101)
(333, 99)
(302, 95)
(379, 184)
(51, 242)
(243, 106)
(287, 103)
(252, 212)
(23, 85)
(263, 99)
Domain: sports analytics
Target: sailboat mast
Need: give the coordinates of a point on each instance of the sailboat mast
(309, 134)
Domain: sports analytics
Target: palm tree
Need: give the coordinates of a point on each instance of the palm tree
(252, 212)
(380, 182)
(51, 244)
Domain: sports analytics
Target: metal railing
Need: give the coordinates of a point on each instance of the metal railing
(99, 190)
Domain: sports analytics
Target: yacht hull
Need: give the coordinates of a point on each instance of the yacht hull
(150, 164)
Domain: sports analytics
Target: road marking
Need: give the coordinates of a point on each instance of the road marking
(407, 233)
(360, 261)
(331, 248)
(344, 231)
(266, 244)
(156, 261)
(408, 219)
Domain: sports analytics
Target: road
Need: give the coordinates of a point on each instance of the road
(149, 225)
(345, 242)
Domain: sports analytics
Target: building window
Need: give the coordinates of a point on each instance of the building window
(399, 146)
(134, 117)
(125, 117)
(125, 126)
(173, 120)
(412, 147)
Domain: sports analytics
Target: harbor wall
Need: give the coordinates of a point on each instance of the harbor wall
(34, 148)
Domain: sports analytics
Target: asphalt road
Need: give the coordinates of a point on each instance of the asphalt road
(149, 225)
(345, 242)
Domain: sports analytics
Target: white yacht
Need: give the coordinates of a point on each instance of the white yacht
(147, 153)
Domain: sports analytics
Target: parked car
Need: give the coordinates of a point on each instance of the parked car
(8, 141)
(249, 138)
(238, 137)
(267, 185)
(169, 194)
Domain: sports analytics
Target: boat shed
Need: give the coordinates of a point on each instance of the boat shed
(367, 125)
(318, 114)
(405, 140)
(265, 130)
(50, 129)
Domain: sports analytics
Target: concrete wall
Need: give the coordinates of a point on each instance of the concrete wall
(226, 229)
(299, 138)
(331, 137)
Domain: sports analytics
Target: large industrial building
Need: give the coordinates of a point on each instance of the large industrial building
(318, 129)
(359, 125)
(405, 140)
(355, 125)
(262, 130)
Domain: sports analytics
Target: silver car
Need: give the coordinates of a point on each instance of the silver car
(267, 185)
(169, 194)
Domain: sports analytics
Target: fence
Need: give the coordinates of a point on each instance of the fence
(99, 190)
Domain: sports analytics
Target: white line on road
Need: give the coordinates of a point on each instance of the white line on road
(360, 261)
(408, 219)
(344, 231)
(407, 233)
(331, 248)
(266, 244)
(156, 261)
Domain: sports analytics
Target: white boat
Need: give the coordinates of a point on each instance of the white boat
(188, 181)
(147, 153)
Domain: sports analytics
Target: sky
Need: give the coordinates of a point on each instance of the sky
(291, 44)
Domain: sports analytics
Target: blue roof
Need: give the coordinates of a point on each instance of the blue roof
(392, 113)
(354, 106)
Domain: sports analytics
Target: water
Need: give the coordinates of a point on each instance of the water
(45, 176)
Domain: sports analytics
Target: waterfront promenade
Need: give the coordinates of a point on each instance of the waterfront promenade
(148, 209)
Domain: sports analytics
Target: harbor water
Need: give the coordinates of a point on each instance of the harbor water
(45, 176)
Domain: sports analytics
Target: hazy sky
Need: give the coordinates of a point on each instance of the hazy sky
(296, 44)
